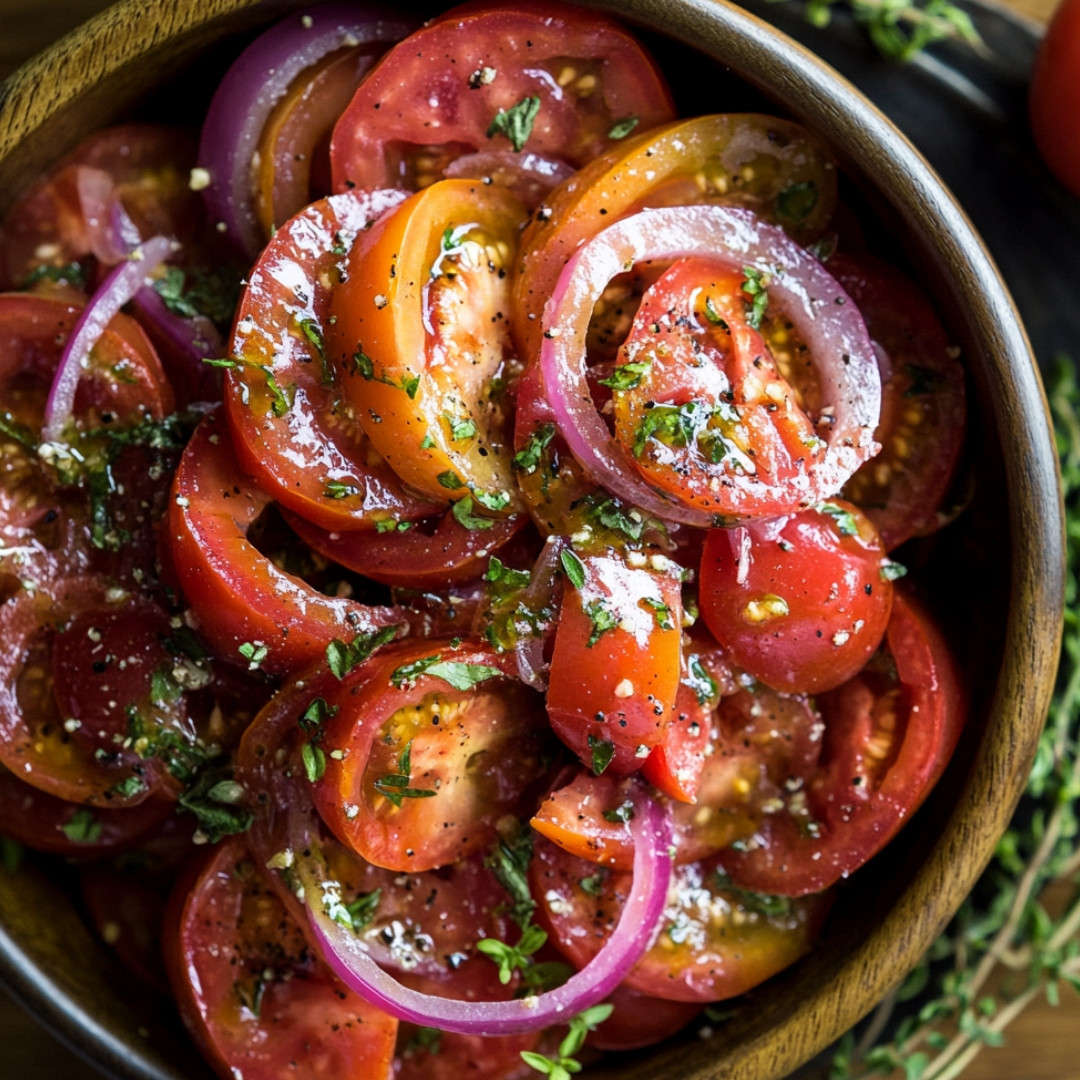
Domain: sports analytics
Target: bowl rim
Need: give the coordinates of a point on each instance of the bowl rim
(816, 95)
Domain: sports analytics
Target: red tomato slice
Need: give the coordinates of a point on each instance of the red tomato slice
(801, 602)
(716, 941)
(436, 96)
(63, 217)
(429, 748)
(615, 668)
(240, 596)
(428, 554)
(293, 430)
(87, 701)
(889, 733)
(700, 405)
(640, 1020)
(252, 992)
(771, 166)
(922, 402)
(294, 148)
(430, 1054)
(72, 830)
(421, 336)
(1054, 91)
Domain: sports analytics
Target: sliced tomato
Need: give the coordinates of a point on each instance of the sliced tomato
(293, 430)
(89, 708)
(431, 744)
(420, 333)
(889, 733)
(715, 941)
(774, 167)
(240, 596)
(427, 554)
(700, 406)
(801, 602)
(675, 766)
(563, 79)
(293, 156)
(67, 215)
(615, 668)
(45, 822)
(640, 1020)
(430, 1054)
(923, 402)
(253, 994)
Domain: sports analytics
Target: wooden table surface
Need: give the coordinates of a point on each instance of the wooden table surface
(1043, 1044)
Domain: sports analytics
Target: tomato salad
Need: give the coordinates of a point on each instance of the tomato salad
(449, 521)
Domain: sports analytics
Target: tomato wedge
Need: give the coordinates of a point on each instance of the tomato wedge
(89, 711)
(774, 167)
(800, 602)
(438, 96)
(889, 733)
(716, 941)
(922, 402)
(423, 750)
(615, 668)
(292, 429)
(243, 600)
(421, 336)
(415, 555)
(252, 992)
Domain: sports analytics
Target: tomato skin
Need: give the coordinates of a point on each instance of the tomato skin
(640, 1020)
(479, 753)
(478, 1057)
(240, 594)
(888, 736)
(229, 944)
(800, 603)
(923, 414)
(616, 686)
(713, 944)
(1054, 94)
(308, 452)
(425, 90)
(417, 557)
(38, 820)
(55, 676)
(661, 168)
(421, 342)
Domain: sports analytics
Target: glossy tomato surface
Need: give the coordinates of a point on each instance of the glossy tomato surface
(1054, 95)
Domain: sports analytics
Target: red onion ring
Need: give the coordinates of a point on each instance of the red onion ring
(347, 956)
(254, 84)
(115, 291)
(822, 313)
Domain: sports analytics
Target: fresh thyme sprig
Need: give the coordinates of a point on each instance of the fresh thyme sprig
(900, 29)
(1017, 937)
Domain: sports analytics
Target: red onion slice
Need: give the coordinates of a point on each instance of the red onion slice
(351, 962)
(115, 291)
(254, 84)
(823, 315)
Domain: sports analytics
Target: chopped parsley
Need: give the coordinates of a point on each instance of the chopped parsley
(395, 786)
(215, 800)
(627, 376)
(502, 580)
(755, 285)
(69, 274)
(316, 714)
(603, 619)
(603, 750)
(776, 907)
(796, 202)
(365, 368)
(516, 123)
(622, 814)
(527, 460)
(509, 862)
(280, 400)
(449, 480)
(335, 489)
(621, 128)
(313, 332)
(891, 571)
(343, 656)
(846, 523)
(314, 759)
(700, 681)
(464, 516)
(573, 567)
(460, 429)
(82, 827)
(661, 611)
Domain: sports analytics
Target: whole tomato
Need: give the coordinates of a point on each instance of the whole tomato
(1054, 96)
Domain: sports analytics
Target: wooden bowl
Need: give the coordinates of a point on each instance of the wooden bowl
(1001, 564)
